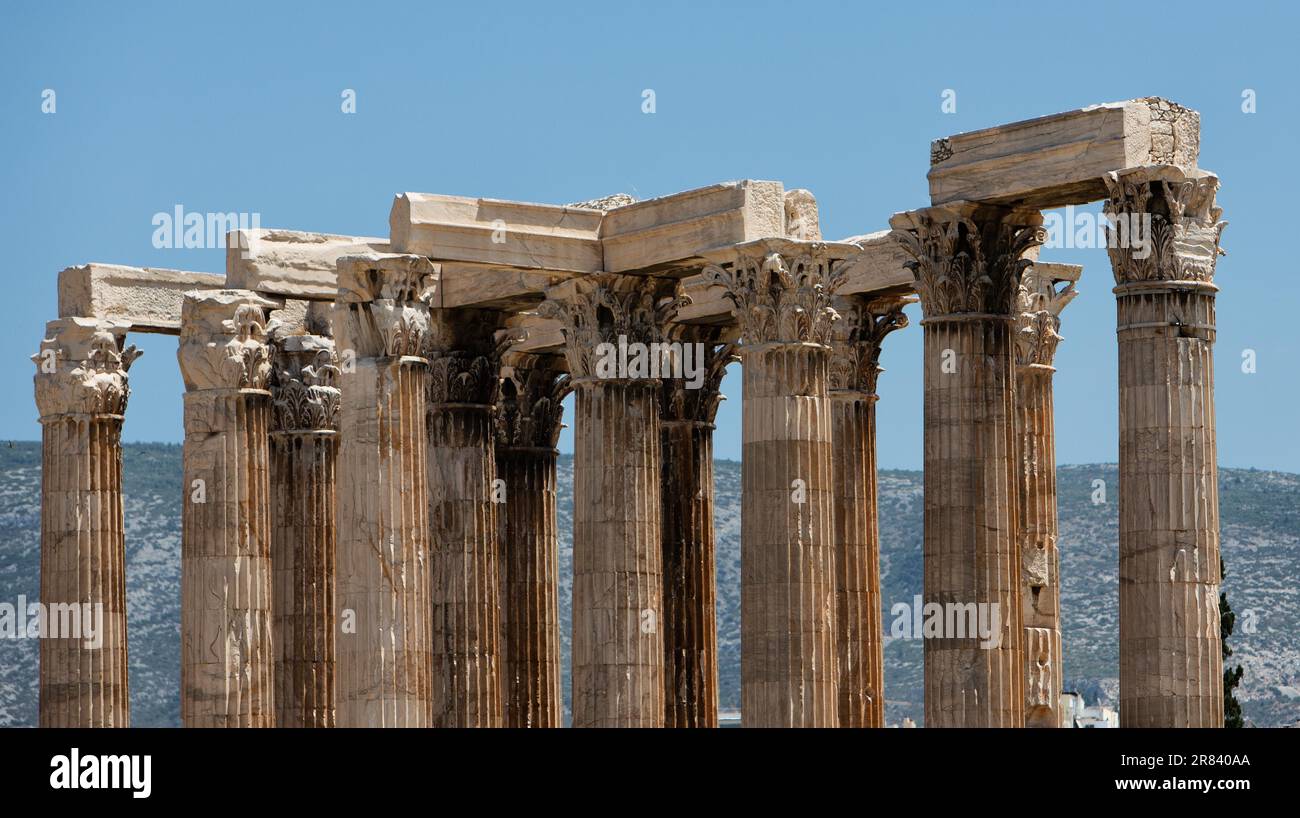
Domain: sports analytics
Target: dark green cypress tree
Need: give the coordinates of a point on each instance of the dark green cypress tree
(1231, 676)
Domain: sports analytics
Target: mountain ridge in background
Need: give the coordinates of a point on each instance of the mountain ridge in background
(1260, 524)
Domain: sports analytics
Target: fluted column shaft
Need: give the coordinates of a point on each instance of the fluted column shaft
(854, 370)
(464, 371)
(970, 552)
(227, 660)
(1170, 655)
(304, 459)
(528, 427)
(690, 593)
(81, 391)
(1039, 303)
(787, 603)
(530, 537)
(617, 562)
(857, 561)
(967, 262)
(687, 407)
(384, 665)
(465, 583)
(303, 474)
(1171, 665)
(1040, 588)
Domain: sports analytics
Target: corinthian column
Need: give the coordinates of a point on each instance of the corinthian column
(967, 262)
(528, 428)
(227, 663)
(618, 644)
(381, 327)
(1038, 308)
(304, 453)
(854, 369)
(1163, 249)
(781, 293)
(687, 408)
(81, 392)
(465, 583)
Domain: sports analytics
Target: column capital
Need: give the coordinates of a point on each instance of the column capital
(529, 409)
(781, 289)
(81, 368)
(1164, 224)
(304, 397)
(464, 358)
(382, 307)
(967, 258)
(599, 310)
(223, 340)
(858, 337)
(679, 400)
(1039, 301)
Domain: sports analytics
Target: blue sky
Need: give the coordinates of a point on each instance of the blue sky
(236, 107)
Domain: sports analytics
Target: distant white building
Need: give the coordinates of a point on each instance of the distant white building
(1075, 713)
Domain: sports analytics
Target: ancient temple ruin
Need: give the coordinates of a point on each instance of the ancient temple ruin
(369, 524)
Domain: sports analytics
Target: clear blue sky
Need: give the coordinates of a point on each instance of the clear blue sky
(236, 107)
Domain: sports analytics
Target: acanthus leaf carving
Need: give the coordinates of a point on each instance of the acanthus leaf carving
(248, 358)
(679, 402)
(382, 308)
(223, 342)
(781, 296)
(304, 392)
(461, 378)
(601, 309)
(1039, 301)
(968, 259)
(858, 339)
(530, 408)
(82, 368)
(1164, 224)
(464, 357)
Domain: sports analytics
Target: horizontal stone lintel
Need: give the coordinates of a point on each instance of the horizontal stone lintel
(145, 299)
(292, 263)
(1060, 159)
(662, 236)
(538, 336)
(666, 235)
(487, 286)
(496, 232)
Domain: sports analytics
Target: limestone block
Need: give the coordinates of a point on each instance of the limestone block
(1060, 159)
(670, 232)
(291, 263)
(146, 299)
(494, 231)
(487, 286)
